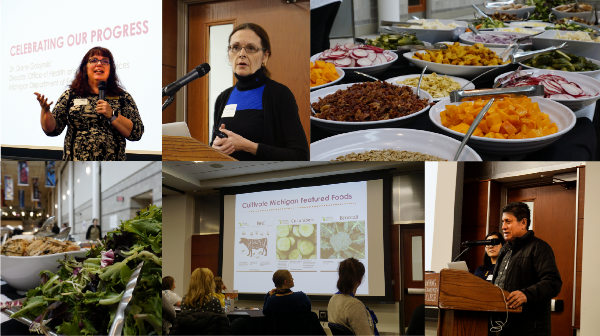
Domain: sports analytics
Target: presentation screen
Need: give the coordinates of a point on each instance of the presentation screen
(43, 43)
(308, 231)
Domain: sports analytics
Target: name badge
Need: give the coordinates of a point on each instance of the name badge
(112, 98)
(80, 101)
(229, 111)
(489, 278)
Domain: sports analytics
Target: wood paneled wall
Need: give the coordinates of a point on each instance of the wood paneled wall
(169, 53)
(205, 252)
(554, 222)
(474, 220)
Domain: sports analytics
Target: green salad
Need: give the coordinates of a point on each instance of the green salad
(82, 297)
(570, 27)
(393, 41)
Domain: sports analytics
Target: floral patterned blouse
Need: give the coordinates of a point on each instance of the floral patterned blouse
(90, 136)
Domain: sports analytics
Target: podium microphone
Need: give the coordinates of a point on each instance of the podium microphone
(198, 72)
(493, 241)
(102, 89)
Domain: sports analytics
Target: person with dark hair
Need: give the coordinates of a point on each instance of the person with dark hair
(94, 232)
(97, 129)
(55, 228)
(490, 256)
(527, 269)
(281, 299)
(168, 287)
(344, 308)
(258, 115)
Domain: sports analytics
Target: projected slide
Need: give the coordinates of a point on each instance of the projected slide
(307, 231)
(43, 42)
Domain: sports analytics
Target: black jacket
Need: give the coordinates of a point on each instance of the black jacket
(531, 270)
(306, 323)
(89, 231)
(196, 322)
(283, 137)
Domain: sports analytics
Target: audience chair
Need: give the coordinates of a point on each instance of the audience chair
(294, 324)
(338, 329)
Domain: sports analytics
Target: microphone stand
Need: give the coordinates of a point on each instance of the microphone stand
(168, 102)
(463, 252)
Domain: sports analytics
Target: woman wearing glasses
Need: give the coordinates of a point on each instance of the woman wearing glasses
(486, 271)
(258, 116)
(97, 129)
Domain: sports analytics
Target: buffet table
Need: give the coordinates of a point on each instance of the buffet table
(10, 326)
(579, 144)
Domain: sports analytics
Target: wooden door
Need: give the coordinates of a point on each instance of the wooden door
(411, 236)
(554, 222)
(288, 26)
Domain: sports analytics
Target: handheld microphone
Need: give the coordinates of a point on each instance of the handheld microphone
(102, 89)
(493, 241)
(198, 72)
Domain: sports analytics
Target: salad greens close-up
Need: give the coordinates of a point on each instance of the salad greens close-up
(81, 298)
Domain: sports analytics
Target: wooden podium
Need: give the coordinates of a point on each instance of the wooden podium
(465, 302)
(178, 148)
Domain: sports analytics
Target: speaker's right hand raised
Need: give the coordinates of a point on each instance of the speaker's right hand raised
(43, 102)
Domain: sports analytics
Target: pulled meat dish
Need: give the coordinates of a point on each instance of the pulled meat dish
(369, 102)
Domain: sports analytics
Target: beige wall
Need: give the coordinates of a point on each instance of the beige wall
(590, 286)
(178, 224)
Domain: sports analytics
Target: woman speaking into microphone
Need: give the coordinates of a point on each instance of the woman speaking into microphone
(96, 128)
(257, 119)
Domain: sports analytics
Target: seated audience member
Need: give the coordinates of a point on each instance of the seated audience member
(168, 287)
(281, 299)
(201, 298)
(168, 315)
(219, 289)
(486, 271)
(344, 308)
(200, 294)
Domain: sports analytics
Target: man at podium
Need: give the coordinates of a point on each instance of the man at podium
(527, 269)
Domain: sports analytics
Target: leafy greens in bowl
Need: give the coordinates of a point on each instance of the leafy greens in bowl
(82, 297)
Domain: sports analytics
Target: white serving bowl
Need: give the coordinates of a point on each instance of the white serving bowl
(590, 85)
(340, 73)
(464, 38)
(520, 12)
(530, 24)
(348, 126)
(465, 71)
(526, 31)
(594, 74)
(22, 273)
(390, 138)
(460, 81)
(562, 15)
(436, 35)
(369, 70)
(581, 48)
(559, 114)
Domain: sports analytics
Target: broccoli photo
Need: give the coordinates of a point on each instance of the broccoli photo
(343, 240)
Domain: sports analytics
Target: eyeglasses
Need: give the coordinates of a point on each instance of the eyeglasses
(250, 49)
(95, 61)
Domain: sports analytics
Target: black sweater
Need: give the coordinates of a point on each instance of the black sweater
(283, 137)
(532, 270)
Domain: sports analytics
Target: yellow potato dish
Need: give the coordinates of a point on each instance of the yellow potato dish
(476, 55)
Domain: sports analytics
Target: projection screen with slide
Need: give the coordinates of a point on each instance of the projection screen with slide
(308, 231)
(43, 42)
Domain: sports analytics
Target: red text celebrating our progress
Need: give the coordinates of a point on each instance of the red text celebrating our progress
(94, 36)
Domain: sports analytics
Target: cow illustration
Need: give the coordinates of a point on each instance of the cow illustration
(252, 244)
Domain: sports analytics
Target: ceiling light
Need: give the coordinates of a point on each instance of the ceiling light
(22, 213)
(31, 214)
(55, 206)
(198, 161)
(88, 170)
(10, 207)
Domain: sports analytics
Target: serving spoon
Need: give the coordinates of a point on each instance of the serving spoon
(473, 127)
(419, 84)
